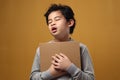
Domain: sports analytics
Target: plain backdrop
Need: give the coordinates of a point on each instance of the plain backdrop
(23, 27)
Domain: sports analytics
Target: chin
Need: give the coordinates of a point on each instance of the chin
(55, 34)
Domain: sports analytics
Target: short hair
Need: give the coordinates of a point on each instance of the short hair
(66, 11)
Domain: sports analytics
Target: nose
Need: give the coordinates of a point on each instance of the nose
(53, 23)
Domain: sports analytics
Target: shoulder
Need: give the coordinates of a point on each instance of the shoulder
(82, 45)
(83, 48)
(38, 51)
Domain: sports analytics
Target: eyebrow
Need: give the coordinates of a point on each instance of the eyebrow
(57, 17)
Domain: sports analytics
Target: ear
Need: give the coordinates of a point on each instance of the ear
(70, 22)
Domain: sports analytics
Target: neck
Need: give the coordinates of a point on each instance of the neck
(62, 39)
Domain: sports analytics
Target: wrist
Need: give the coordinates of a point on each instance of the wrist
(73, 69)
(68, 66)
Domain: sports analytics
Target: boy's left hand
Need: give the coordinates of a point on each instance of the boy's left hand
(61, 61)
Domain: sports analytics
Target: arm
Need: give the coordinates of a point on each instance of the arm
(86, 72)
(62, 62)
(45, 75)
(35, 73)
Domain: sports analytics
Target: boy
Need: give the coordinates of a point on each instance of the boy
(61, 23)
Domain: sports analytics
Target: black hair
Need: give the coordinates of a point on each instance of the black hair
(66, 11)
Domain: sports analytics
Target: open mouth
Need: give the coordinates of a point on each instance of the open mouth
(54, 30)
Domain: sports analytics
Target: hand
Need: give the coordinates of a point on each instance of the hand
(56, 72)
(61, 62)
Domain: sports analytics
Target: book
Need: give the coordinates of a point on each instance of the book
(71, 49)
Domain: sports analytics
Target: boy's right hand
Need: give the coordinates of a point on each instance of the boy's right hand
(55, 72)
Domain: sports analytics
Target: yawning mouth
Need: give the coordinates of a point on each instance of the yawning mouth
(54, 29)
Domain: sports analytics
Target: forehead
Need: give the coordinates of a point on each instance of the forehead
(55, 14)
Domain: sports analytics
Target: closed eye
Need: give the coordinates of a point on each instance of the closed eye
(57, 18)
(49, 21)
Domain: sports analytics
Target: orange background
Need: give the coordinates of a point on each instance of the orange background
(23, 26)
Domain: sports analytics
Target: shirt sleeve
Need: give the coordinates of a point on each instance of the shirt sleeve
(36, 74)
(86, 72)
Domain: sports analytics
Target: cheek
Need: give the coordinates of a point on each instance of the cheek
(49, 28)
(63, 24)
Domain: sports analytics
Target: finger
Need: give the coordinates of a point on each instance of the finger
(55, 59)
(63, 55)
(55, 63)
(58, 56)
(52, 61)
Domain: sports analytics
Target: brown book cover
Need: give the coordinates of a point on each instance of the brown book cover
(70, 49)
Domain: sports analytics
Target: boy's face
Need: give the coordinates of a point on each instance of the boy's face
(58, 25)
